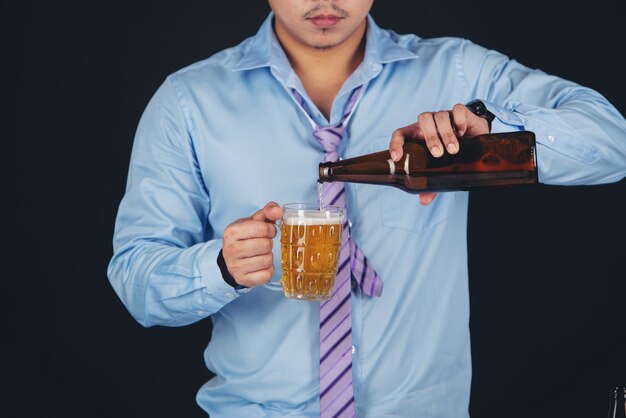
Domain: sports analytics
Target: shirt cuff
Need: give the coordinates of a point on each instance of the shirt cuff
(228, 278)
(506, 119)
(549, 130)
(214, 284)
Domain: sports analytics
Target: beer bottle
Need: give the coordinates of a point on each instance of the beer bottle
(617, 403)
(489, 160)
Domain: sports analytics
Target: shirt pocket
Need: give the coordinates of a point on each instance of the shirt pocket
(403, 210)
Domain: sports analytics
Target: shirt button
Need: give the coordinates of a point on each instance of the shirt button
(199, 312)
(551, 138)
(350, 224)
(353, 349)
(505, 116)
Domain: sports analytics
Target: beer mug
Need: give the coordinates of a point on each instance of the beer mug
(310, 244)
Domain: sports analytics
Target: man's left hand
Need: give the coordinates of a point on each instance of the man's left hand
(439, 129)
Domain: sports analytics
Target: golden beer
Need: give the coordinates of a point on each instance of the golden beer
(310, 243)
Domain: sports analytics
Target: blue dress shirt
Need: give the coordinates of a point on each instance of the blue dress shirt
(224, 136)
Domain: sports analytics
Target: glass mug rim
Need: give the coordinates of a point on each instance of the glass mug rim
(310, 208)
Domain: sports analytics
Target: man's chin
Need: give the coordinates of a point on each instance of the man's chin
(324, 47)
(324, 44)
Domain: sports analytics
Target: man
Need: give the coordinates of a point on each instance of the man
(195, 234)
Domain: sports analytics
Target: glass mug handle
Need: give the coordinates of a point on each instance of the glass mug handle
(275, 283)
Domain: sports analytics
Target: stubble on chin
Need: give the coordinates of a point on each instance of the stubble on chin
(324, 46)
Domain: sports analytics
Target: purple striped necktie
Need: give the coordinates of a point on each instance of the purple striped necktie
(336, 390)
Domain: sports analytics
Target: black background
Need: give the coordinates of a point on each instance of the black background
(547, 284)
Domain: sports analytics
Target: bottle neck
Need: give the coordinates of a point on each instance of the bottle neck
(325, 173)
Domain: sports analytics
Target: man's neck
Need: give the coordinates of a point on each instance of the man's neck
(323, 71)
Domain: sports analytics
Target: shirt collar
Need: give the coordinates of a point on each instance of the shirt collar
(264, 50)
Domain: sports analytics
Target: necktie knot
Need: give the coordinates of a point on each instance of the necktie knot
(329, 137)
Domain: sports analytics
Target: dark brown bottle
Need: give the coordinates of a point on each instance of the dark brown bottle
(617, 403)
(490, 160)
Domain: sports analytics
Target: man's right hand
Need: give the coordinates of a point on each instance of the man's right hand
(247, 246)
